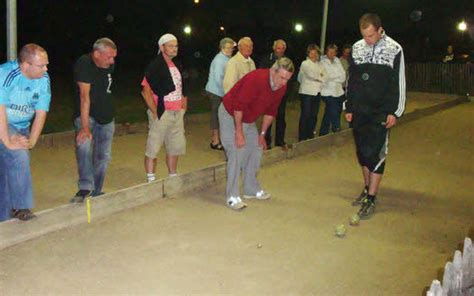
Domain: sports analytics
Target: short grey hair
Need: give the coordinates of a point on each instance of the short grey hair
(102, 43)
(243, 40)
(225, 41)
(275, 43)
(284, 63)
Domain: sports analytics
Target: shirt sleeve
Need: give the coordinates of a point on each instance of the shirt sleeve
(217, 71)
(397, 88)
(350, 85)
(230, 76)
(44, 94)
(3, 95)
(83, 71)
(3, 90)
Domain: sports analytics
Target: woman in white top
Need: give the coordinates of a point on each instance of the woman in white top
(332, 92)
(311, 78)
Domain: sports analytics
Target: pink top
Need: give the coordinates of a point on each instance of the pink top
(173, 100)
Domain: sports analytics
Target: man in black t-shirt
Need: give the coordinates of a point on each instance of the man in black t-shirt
(279, 48)
(94, 116)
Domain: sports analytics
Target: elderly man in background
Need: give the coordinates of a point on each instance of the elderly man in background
(239, 65)
(279, 48)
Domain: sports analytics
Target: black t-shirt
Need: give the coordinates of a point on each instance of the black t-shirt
(101, 99)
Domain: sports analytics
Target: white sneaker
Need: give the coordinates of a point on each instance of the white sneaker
(259, 195)
(235, 203)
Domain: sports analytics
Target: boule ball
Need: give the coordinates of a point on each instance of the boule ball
(340, 230)
(354, 220)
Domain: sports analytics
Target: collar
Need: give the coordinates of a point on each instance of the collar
(241, 57)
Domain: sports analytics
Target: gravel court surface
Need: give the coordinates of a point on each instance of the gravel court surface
(193, 244)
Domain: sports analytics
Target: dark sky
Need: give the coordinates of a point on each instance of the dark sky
(67, 28)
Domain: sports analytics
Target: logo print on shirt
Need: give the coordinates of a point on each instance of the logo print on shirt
(35, 96)
(27, 88)
(109, 76)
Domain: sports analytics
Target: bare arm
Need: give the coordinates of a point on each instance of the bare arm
(14, 142)
(37, 127)
(85, 132)
(147, 95)
(239, 134)
(266, 122)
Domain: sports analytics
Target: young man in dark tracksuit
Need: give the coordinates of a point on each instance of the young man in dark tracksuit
(375, 100)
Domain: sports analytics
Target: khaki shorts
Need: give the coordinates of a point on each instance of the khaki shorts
(169, 129)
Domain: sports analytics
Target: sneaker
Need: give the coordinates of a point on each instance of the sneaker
(367, 210)
(235, 203)
(80, 196)
(360, 200)
(23, 214)
(259, 195)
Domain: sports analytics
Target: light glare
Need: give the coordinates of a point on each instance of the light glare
(298, 27)
(187, 30)
(462, 26)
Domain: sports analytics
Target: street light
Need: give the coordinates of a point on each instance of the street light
(187, 30)
(298, 27)
(462, 26)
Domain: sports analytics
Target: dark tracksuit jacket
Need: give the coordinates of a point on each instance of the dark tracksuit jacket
(376, 85)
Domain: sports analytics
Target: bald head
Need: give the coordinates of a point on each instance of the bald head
(245, 46)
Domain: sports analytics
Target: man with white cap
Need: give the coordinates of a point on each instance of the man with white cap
(163, 92)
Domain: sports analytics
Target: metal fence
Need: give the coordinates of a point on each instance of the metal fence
(440, 78)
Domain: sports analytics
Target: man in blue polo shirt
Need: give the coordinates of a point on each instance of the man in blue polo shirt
(24, 93)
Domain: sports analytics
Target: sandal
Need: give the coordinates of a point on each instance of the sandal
(23, 214)
(217, 146)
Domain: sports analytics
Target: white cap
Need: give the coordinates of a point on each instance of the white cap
(165, 38)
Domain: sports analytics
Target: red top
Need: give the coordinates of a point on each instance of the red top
(253, 96)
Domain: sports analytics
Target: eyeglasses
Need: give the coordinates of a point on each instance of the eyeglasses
(39, 66)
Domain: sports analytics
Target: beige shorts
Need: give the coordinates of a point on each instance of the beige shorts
(169, 129)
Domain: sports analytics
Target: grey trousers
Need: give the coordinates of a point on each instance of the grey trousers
(246, 159)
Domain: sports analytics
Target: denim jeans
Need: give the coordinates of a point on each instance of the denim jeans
(332, 115)
(93, 156)
(16, 190)
(308, 116)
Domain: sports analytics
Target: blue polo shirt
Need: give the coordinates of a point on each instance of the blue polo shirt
(22, 96)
